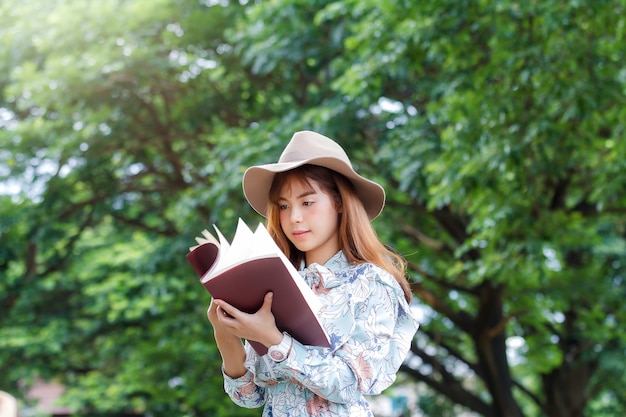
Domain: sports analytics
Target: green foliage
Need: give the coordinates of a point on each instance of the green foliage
(496, 127)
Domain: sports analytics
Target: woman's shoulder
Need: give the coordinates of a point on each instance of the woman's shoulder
(339, 273)
(369, 270)
(372, 274)
(358, 268)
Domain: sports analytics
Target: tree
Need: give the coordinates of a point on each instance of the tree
(495, 127)
(505, 147)
(107, 135)
(500, 125)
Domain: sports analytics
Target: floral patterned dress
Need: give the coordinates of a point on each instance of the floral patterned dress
(370, 326)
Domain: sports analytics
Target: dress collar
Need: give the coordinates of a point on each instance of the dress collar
(327, 275)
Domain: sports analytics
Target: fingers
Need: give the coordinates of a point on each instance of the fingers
(226, 310)
(253, 326)
(267, 302)
(218, 310)
(211, 312)
(224, 314)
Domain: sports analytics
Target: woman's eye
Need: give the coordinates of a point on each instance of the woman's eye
(282, 207)
(308, 203)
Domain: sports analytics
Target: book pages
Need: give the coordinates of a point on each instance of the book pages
(264, 239)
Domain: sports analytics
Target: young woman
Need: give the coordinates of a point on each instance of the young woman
(318, 210)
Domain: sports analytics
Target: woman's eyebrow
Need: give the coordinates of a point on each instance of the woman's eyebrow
(304, 194)
(307, 193)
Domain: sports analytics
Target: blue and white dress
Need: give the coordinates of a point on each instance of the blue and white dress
(370, 326)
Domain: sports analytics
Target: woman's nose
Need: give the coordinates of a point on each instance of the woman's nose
(296, 215)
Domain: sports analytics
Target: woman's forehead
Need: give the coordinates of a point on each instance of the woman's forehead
(298, 185)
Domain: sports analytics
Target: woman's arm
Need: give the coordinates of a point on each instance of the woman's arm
(230, 326)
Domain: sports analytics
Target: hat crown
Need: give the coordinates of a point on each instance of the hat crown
(306, 145)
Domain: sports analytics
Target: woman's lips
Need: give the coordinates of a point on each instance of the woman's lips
(299, 233)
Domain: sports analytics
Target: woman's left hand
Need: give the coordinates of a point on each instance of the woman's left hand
(259, 326)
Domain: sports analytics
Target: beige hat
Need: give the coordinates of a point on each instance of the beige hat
(308, 147)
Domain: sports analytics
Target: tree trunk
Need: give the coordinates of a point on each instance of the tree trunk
(564, 389)
(491, 352)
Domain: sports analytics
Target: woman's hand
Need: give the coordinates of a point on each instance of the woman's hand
(260, 326)
(219, 329)
(230, 345)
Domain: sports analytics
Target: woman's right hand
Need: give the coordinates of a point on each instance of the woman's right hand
(218, 326)
(230, 345)
(259, 326)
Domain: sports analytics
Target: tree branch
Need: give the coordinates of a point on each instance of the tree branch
(440, 281)
(462, 319)
(449, 385)
(421, 237)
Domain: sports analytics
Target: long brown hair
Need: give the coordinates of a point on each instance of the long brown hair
(357, 238)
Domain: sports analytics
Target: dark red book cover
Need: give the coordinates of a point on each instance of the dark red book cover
(245, 284)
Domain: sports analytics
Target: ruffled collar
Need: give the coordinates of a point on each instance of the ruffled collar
(326, 276)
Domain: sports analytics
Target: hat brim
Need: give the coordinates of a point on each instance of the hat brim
(257, 181)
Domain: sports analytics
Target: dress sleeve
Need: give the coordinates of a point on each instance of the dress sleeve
(243, 390)
(371, 329)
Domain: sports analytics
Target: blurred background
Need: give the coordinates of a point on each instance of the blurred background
(497, 128)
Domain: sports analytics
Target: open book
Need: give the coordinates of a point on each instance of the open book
(242, 272)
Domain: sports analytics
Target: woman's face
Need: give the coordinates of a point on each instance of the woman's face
(310, 220)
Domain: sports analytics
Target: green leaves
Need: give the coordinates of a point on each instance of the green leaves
(496, 129)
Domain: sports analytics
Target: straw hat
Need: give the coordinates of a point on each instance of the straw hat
(308, 147)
